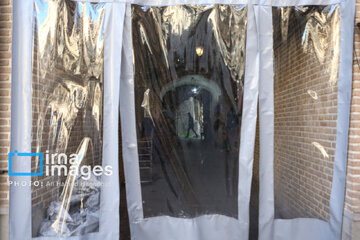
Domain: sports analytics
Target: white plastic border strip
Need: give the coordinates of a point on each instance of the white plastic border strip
(209, 227)
(347, 14)
(110, 191)
(20, 197)
(303, 228)
(248, 123)
(266, 122)
(128, 126)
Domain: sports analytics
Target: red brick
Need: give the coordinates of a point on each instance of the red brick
(6, 9)
(5, 85)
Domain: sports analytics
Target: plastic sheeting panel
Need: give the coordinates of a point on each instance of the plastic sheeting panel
(169, 114)
(306, 65)
(304, 106)
(67, 112)
(189, 64)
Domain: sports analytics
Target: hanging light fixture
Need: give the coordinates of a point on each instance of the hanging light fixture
(199, 50)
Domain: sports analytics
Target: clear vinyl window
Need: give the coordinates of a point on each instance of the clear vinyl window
(67, 117)
(189, 64)
(306, 64)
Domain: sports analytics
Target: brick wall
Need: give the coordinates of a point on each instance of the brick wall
(305, 101)
(352, 201)
(351, 227)
(5, 90)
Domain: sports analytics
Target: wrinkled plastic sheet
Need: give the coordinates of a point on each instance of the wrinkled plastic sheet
(60, 76)
(67, 110)
(183, 70)
(189, 64)
(278, 229)
(75, 220)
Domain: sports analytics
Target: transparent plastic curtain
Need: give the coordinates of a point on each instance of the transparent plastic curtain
(185, 97)
(310, 41)
(67, 112)
(304, 102)
(188, 107)
(70, 181)
(190, 76)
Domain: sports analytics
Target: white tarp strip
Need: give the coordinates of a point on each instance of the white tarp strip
(21, 125)
(266, 122)
(347, 15)
(248, 125)
(110, 193)
(128, 128)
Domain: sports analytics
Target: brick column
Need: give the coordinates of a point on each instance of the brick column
(5, 90)
(351, 225)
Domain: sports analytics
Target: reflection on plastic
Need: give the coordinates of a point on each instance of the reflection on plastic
(321, 149)
(285, 14)
(313, 94)
(67, 93)
(189, 64)
(320, 34)
(70, 36)
(146, 104)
